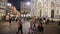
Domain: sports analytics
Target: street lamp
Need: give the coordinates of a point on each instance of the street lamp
(28, 3)
(8, 8)
(24, 14)
(9, 4)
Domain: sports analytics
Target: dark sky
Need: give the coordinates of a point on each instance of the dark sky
(16, 3)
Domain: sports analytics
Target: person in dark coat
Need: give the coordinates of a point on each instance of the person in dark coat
(59, 23)
(44, 18)
(40, 28)
(10, 19)
(52, 21)
(47, 21)
(19, 26)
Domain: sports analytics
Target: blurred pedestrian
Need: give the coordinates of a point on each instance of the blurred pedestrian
(33, 22)
(47, 21)
(10, 19)
(59, 23)
(40, 28)
(19, 26)
(31, 31)
(52, 21)
(40, 19)
(44, 18)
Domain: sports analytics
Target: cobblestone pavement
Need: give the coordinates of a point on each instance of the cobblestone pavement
(6, 28)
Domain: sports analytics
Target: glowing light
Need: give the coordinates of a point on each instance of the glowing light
(28, 3)
(9, 4)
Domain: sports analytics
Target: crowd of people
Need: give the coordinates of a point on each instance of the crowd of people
(33, 28)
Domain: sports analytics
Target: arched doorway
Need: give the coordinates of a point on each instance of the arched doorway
(52, 13)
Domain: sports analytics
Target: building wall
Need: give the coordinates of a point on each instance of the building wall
(33, 7)
(45, 6)
(3, 2)
(2, 7)
(24, 7)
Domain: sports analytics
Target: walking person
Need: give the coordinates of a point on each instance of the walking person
(59, 23)
(19, 26)
(33, 25)
(10, 19)
(33, 22)
(52, 21)
(44, 18)
(40, 28)
(47, 21)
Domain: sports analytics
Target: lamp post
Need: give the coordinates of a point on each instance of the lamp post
(8, 8)
(27, 4)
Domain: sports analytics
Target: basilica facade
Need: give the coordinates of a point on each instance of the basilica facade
(45, 8)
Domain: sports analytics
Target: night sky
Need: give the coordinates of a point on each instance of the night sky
(16, 3)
